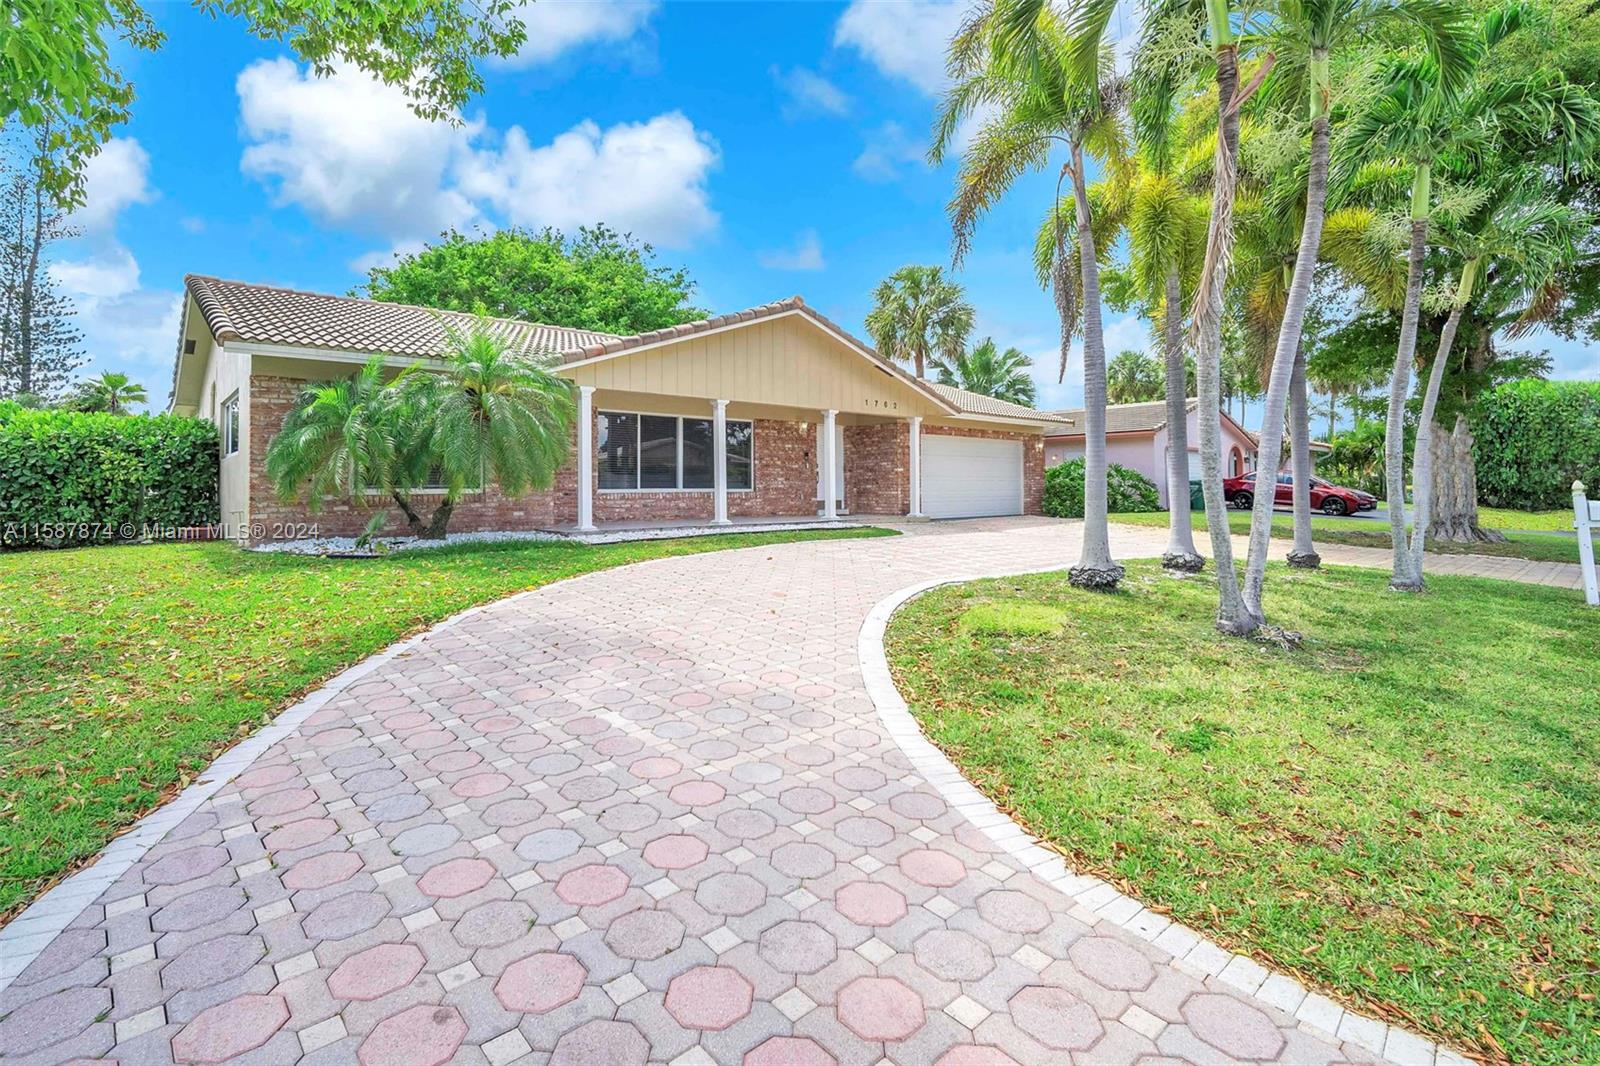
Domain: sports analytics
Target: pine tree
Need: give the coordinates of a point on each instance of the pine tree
(39, 340)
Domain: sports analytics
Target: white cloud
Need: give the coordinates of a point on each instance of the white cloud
(906, 40)
(556, 26)
(349, 150)
(888, 150)
(115, 177)
(351, 153)
(109, 273)
(805, 255)
(808, 93)
(645, 177)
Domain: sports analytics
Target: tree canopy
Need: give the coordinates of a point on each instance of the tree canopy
(600, 279)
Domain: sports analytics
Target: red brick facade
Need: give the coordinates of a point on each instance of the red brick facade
(877, 481)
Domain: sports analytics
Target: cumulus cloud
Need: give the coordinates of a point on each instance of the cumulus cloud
(114, 178)
(1130, 331)
(557, 26)
(647, 177)
(807, 93)
(110, 272)
(889, 149)
(351, 153)
(906, 41)
(805, 255)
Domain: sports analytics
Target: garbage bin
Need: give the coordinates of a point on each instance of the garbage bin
(1197, 496)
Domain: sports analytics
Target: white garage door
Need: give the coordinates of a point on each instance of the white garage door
(970, 477)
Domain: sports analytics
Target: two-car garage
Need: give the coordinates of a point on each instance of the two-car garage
(971, 477)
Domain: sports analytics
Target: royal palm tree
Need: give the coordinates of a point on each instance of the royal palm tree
(110, 392)
(1042, 84)
(918, 315)
(987, 370)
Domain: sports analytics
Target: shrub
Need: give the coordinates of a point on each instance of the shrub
(1534, 439)
(68, 478)
(1126, 490)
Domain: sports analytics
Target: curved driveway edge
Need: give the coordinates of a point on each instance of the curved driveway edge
(1095, 901)
(644, 815)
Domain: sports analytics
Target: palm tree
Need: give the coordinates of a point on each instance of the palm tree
(490, 413)
(991, 372)
(1134, 377)
(339, 441)
(1040, 84)
(111, 392)
(918, 315)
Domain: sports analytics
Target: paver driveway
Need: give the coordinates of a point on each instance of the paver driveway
(645, 815)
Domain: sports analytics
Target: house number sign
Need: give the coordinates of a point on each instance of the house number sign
(880, 404)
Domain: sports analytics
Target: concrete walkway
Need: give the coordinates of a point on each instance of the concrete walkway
(646, 815)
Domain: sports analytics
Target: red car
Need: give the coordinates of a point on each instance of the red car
(1325, 496)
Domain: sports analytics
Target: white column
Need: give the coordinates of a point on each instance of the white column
(719, 451)
(585, 458)
(830, 491)
(916, 468)
(1583, 519)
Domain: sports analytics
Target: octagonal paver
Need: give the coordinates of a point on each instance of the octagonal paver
(376, 972)
(1233, 1027)
(709, 997)
(1056, 1018)
(880, 1008)
(230, 1029)
(424, 1035)
(540, 983)
(647, 814)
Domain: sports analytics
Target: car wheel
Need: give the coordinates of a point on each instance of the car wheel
(1242, 501)
(1334, 506)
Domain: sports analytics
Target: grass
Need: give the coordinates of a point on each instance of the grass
(1374, 533)
(1404, 810)
(125, 670)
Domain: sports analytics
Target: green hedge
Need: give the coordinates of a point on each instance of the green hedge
(68, 478)
(1126, 490)
(1534, 439)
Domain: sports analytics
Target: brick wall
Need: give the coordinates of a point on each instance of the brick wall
(1032, 460)
(272, 398)
(877, 468)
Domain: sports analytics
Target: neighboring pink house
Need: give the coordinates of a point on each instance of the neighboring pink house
(1136, 437)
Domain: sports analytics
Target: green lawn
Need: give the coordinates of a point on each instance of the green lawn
(1405, 810)
(1373, 533)
(124, 671)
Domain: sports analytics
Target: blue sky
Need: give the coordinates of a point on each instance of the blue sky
(771, 148)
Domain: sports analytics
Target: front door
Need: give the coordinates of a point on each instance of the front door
(838, 466)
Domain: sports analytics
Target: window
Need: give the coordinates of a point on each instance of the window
(228, 424)
(667, 453)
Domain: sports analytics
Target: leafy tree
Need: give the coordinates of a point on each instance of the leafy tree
(59, 75)
(1134, 377)
(987, 370)
(39, 341)
(110, 392)
(1042, 82)
(488, 414)
(599, 280)
(918, 316)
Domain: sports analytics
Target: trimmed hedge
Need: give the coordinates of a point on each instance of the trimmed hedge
(69, 478)
(1126, 490)
(1534, 439)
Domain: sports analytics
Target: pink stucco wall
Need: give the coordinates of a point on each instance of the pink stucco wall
(1147, 452)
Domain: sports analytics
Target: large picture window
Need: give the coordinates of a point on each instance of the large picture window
(666, 452)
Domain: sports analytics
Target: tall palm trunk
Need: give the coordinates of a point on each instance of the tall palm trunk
(1284, 358)
(1095, 569)
(1422, 459)
(1304, 553)
(1180, 554)
(1402, 577)
(1232, 614)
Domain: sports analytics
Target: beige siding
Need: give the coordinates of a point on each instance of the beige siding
(788, 362)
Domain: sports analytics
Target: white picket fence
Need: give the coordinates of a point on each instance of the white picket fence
(1586, 517)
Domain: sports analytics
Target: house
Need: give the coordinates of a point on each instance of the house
(1136, 437)
(713, 421)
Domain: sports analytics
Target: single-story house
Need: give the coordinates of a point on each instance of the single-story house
(1136, 437)
(774, 411)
